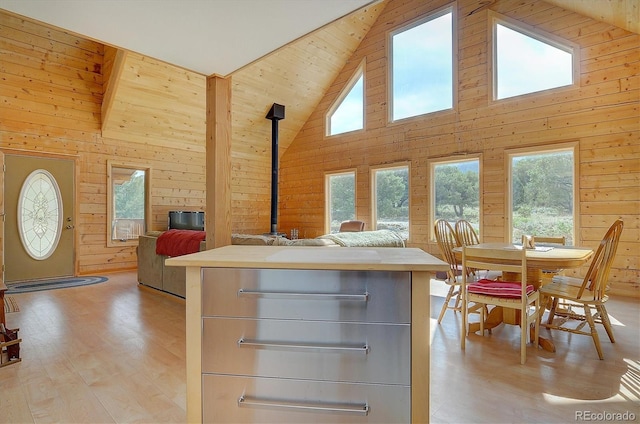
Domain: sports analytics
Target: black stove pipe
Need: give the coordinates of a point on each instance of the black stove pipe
(275, 114)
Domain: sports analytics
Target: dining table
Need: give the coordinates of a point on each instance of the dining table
(540, 258)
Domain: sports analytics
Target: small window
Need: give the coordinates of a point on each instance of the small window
(347, 114)
(422, 66)
(390, 195)
(129, 203)
(542, 193)
(456, 191)
(340, 198)
(525, 61)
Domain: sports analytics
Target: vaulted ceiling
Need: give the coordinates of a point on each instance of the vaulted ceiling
(143, 94)
(208, 37)
(151, 101)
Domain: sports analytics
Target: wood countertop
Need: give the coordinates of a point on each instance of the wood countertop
(310, 257)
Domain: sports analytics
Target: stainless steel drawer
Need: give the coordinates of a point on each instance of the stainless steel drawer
(362, 296)
(230, 399)
(336, 351)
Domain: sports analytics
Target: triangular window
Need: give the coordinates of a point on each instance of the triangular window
(347, 113)
(527, 62)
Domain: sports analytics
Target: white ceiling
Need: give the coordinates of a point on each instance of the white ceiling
(205, 36)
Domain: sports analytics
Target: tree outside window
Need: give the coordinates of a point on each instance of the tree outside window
(542, 194)
(341, 199)
(129, 212)
(391, 194)
(456, 191)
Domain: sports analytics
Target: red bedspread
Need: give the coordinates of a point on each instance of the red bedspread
(179, 242)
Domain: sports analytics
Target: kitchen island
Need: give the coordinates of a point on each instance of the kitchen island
(307, 334)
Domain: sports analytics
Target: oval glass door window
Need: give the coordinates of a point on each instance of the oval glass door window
(40, 214)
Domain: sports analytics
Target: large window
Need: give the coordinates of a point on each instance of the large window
(542, 197)
(422, 66)
(129, 203)
(526, 61)
(340, 196)
(347, 113)
(390, 195)
(456, 191)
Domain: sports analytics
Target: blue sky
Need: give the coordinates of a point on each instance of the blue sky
(350, 115)
(422, 68)
(526, 65)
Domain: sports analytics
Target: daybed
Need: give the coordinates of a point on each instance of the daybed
(154, 247)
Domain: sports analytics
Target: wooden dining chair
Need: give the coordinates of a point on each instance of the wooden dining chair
(548, 274)
(447, 241)
(466, 234)
(519, 295)
(561, 240)
(587, 295)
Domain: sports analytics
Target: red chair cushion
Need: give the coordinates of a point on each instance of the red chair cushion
(498, 288)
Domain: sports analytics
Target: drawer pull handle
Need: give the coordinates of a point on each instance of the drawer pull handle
(304, 347)
(303, 296)
(344, 408)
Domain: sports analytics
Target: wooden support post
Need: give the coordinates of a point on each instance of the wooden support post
(218, 148)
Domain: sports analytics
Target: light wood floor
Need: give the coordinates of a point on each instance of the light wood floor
(114, 352)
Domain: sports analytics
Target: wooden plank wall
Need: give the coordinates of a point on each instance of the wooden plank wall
(601, 114)
(296, 76)
(51, 90)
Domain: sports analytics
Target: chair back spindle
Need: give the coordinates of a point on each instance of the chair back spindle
(467, 235)
(447, 241)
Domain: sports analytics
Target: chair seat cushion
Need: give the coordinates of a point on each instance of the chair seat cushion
(498, 288)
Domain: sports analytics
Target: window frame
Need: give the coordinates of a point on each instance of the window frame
(537, 34)
(360, 72)
(541, 150)
(111, 164)
(449, 8)
(432, 163)
(327, 195)
(374, 197)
